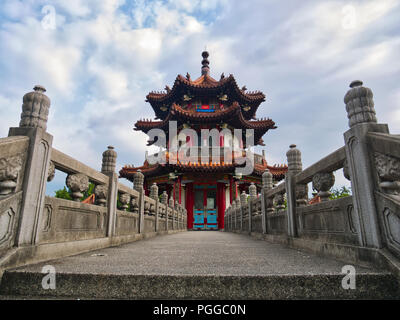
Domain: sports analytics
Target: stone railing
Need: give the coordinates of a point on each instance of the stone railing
(35, 227)
(357, 226)
(13, 158)
(386, 182)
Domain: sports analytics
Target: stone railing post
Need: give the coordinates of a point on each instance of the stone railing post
(232, 216)
(108, 168)
(237, 212)
(362, 120)
(175, 220)
(171, 205)
(294, 167)
(33, 124)
(243, 203)
(154, 195)
(185, 219)
(226, 226)
(267, 184)
(138, 180)
(252, 204)
(164, 201)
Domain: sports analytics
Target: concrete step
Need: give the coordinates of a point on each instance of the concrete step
(25, 284)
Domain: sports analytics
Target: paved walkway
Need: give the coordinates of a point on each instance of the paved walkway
(197, 253)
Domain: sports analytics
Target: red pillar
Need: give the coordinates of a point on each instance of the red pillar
(189, 204)
(168, 187)
(221, 204)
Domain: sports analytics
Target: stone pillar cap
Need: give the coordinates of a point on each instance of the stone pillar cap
(356, 83)
(39, 88)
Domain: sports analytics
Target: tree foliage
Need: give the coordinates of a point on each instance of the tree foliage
(63, 194)
(340, 192)
(66, 193)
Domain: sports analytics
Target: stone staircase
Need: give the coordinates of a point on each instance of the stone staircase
(22, 284)
(181, 266)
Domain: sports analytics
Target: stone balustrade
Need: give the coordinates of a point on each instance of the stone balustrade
(367, 219)
(35, 227)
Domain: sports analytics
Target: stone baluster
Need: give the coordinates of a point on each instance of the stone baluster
(134, 205)
(279, 200)
(146, 208)
(125, 198)
(323, 182)
(77, 183)
(101, 192)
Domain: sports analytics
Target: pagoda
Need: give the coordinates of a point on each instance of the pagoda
(205, 188)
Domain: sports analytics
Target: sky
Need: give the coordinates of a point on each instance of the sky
(99, 59)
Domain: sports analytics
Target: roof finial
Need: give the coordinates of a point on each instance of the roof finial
(205, 69)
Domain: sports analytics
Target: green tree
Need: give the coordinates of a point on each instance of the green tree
(63, 194)
(340, 192)
(67, 194)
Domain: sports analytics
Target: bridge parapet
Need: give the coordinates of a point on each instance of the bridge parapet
(369, 219)
(35, 227)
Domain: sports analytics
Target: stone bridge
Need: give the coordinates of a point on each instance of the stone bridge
(275, 244)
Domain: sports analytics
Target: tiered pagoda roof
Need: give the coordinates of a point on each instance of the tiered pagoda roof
(205, 85)
(233, 107)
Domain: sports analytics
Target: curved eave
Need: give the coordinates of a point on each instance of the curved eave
(278, 172)
(231, 115)
(200, 85)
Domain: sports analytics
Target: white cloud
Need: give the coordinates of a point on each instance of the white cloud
(100, 62)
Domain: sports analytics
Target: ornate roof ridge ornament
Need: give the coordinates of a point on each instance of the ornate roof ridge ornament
(205, 69)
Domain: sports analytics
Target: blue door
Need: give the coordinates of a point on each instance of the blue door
(198, 219)
(205, 208)
(212, 222)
